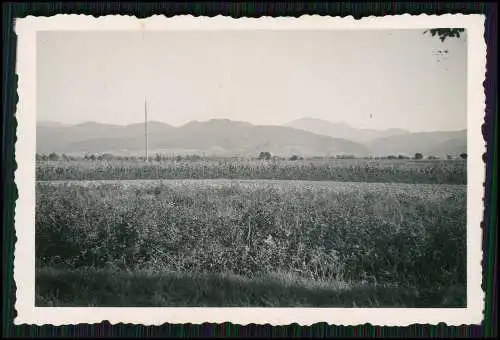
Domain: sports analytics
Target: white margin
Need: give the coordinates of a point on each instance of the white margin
(25, 148)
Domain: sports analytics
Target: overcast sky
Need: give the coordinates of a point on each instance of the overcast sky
(263, 77)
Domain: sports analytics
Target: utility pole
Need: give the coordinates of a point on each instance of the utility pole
(146, 127)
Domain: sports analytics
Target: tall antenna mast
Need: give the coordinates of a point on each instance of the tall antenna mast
(146, 126)
(145, 110)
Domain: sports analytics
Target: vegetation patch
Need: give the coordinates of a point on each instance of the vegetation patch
(380, 235)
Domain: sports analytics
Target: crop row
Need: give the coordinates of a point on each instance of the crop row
(438, 172)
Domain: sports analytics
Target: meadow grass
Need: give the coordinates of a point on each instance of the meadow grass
(103, 241)
(103, 288)
(356, 170)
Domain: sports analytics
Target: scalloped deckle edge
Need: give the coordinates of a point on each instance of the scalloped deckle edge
(25, 148)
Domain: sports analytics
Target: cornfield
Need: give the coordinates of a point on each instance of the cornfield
(395, 171)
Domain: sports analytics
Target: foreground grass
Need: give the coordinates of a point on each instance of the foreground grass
(104, 288)
(358, 170)
(368, 234)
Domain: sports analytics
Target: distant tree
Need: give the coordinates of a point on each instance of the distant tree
(463, 155)
(391, 157)
(178, 158)
(92, 157)
(265, 155)
(294, 158)
(345, 157)
(65, 157)
(158, 157)
(449, 157)
(418, 155)
(53, 156)
(403, 157)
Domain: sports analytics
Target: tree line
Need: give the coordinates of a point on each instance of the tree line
(264, 155)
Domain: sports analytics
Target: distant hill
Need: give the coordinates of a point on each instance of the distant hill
(216, 136)
(438, 143)
(390, 141)
(342, 130)
(49, 123)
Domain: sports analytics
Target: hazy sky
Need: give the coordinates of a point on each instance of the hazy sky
(263, 77)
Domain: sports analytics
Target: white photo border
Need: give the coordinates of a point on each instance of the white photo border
(25, 150)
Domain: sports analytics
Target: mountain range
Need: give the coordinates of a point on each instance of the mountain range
(304, 137)
(342, 130)
(390, 141)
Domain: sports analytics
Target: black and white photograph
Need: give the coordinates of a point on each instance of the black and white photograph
(255, 167)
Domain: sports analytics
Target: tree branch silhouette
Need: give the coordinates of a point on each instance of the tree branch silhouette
(445, 33)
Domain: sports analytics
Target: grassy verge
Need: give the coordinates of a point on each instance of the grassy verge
(111, 288)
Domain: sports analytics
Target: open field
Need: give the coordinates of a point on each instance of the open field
(349, 170)
(250, 243)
